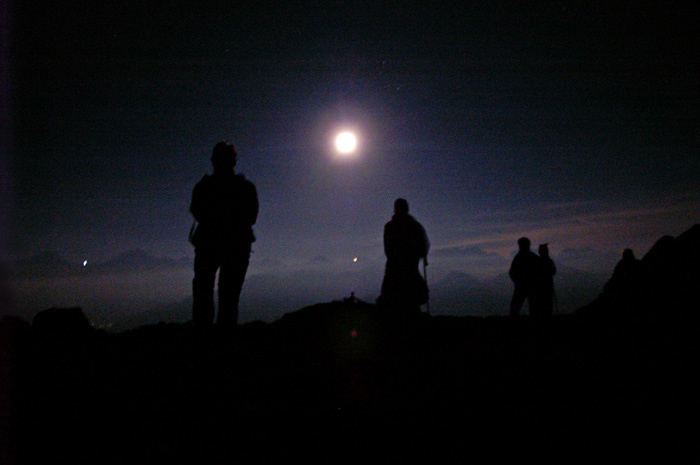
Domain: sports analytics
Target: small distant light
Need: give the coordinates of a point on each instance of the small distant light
(353, 333)
(354, 259)
(85, 263)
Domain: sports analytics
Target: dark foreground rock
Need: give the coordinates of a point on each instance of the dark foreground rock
(663, 285)
(345, 383)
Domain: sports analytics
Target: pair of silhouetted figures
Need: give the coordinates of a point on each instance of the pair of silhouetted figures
(225, 208)
(533, 278)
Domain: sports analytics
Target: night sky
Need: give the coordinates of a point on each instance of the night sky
(573, 123)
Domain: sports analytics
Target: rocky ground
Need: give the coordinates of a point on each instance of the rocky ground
(343, 382)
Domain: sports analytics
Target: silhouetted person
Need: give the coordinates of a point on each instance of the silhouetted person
(626, 276)
(405, 244)
(542, 300)
(626, 269)
(522, 273)
(225, 206)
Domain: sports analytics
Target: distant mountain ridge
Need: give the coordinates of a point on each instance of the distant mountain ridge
(51, 264)
(667, 284)
(44, 264)
(460, 293)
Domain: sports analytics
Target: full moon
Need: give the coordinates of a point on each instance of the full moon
(346, 142)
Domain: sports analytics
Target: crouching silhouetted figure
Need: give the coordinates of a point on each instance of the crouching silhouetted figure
(522, 273)
(405, 244)
(542, 299)
(225, 206)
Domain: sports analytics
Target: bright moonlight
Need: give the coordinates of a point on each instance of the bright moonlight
(346, 142)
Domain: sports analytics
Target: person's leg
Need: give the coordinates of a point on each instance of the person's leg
(231, 278)
(516, 303)
(534, 301)
(548, 303)
(205, 266)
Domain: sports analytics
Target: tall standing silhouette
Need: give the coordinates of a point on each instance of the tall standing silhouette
(522, 273)
(405, 244)
(542, 300)
(225, 206)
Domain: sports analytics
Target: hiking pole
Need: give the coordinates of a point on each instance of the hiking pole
(425, 277)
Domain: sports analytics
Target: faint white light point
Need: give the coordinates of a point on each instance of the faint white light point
(85, 263)
(354, 260)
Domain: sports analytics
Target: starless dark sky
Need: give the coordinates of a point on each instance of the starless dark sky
(575, 123)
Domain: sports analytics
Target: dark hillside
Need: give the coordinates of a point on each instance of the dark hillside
(663, 285)
(344, 382)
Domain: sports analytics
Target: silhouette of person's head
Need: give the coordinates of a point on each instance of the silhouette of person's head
(224, 156)
(401, 207)
(543, 250)
(524, 244)
(628, 255)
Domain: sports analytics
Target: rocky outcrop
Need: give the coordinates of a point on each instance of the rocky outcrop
(662, 285)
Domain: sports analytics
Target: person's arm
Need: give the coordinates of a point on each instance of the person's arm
(426, 246)
(196, 205)
(388, 252)
(200, 207)
(254, 204)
